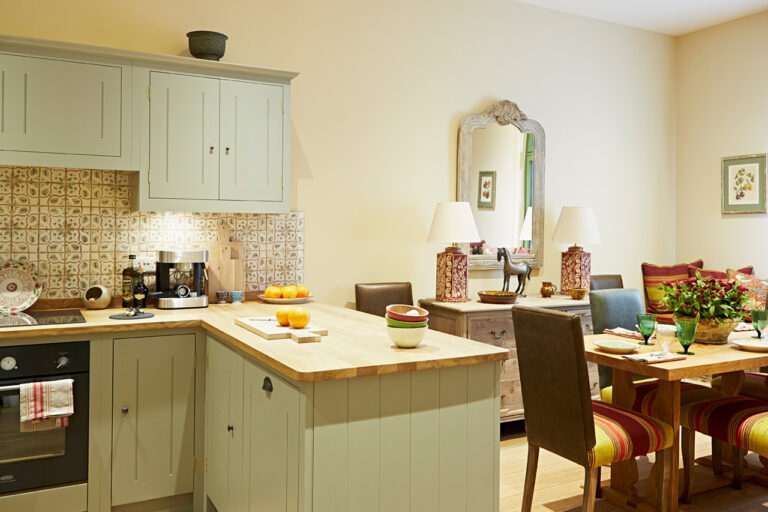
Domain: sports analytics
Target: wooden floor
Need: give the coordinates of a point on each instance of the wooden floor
(559, 482)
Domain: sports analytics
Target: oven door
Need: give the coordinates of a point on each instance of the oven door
(30, 460)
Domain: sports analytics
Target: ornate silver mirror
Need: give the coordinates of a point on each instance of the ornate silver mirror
(501, 175)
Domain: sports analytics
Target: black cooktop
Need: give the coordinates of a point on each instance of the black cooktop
(43, 317)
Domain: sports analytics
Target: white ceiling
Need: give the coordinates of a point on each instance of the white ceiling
(673, 17)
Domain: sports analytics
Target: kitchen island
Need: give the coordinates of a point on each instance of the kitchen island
(349, 423)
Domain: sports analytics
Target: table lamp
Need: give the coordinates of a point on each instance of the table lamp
(576, 224)
(452, 223)
(526, 231)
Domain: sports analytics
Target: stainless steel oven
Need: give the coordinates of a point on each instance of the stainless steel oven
(31, 460)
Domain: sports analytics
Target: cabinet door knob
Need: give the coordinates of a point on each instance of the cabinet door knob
(267, 386)
(124, 409)
(230, 428)
(210, 150)
(226, 150)
(498, 336)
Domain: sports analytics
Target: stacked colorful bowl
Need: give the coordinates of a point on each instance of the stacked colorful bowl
(406, 325)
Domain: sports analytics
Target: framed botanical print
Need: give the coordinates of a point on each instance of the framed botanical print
(486, 191)
(743, 184)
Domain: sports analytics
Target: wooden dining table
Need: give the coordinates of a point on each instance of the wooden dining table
(727, 360)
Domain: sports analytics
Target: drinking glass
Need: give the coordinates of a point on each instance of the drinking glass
(646, 325)
(686, 333)
(665, 335)
(759, 321)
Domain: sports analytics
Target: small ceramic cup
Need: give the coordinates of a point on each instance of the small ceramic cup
(237, 297)
(221, 297)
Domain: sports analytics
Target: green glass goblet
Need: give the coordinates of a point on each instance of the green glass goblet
(759, 321)
(646, 324)
(686, 333)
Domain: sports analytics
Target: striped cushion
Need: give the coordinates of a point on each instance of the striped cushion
(654, 275)
(622, 434)
(716, 274)
(647, 390)
(737, 420)
(755, 385)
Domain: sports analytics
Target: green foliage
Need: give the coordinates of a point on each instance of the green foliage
(706, 298)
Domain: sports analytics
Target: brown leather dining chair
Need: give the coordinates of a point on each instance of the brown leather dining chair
(606, 282)
(559, 413)
(374, 298)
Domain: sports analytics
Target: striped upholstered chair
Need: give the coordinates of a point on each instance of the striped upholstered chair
(739, 421)
(755, 386)
(559, 414)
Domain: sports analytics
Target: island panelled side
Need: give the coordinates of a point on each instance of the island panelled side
(492, 324)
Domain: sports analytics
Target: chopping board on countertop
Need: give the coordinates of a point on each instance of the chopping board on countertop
(269, 329)
(226, 264)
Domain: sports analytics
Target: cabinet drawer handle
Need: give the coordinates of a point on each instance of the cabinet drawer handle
(267, 386)
(230, 428)
(124, 409)
(498, 336)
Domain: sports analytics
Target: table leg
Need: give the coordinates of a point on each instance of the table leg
(624, 474)
(668, 408)
(732, 382)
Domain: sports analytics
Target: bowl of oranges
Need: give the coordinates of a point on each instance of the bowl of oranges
(291, 294)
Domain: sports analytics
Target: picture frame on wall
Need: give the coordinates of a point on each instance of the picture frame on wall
(742, 184)
(486, 190)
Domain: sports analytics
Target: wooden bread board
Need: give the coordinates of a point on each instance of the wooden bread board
(226, 271)
(269, 329)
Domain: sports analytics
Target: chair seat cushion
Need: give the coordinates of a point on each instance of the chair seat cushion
(737, 420)
(622, 434)
(647, 390)
(755, 385)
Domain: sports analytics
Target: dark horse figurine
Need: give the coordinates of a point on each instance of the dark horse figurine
(521, 270)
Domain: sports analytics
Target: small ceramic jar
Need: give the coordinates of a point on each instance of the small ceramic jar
(547, 289)
(221, 297)
(97, 297)
(237, 297)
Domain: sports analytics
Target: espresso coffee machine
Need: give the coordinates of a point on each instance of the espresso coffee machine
(181, 279)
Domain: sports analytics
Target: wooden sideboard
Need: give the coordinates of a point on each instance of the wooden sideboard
(492, 323)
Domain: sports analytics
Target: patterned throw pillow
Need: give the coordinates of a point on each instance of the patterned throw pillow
(654, 275)
(750, 270)
(757, 288)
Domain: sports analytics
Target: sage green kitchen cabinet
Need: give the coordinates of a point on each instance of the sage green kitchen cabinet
(64, 113)
(153, 417)
(224, 427)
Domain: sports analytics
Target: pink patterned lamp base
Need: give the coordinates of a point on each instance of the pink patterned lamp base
(452, 272)
(576, 270)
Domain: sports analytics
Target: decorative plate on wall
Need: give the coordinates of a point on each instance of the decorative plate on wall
(19, 287)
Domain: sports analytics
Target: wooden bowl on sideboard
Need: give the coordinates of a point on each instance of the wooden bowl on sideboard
(492, 297)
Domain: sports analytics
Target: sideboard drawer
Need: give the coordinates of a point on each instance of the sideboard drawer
(494, 329)
(511, 399)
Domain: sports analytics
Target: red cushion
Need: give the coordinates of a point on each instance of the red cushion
(716, 274)
(654, 275)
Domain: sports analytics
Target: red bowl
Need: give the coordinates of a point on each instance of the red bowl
(398, 312)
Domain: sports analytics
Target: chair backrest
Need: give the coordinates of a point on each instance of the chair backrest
(375, 297)
(555, 382)
(615, 308)
(606, 282)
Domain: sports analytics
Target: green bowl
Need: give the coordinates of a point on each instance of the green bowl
(406, 325)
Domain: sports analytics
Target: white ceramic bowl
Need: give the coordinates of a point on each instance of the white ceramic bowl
(406, 338)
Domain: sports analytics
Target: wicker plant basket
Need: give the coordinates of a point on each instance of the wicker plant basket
(713, 332)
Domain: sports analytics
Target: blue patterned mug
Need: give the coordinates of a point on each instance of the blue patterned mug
(237, 297)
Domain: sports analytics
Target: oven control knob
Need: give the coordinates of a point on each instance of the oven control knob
(62, 362)
(8, 363)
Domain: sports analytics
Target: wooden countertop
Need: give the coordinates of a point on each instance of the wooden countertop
(357, 343)
(536, 301)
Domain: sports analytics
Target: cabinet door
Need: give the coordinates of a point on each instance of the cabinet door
(271, 442)
(223, 430)
(57, 106)
(153, 417)
(183, 137)
(252, 141)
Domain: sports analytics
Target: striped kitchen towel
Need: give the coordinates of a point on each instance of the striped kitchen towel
(45, 405)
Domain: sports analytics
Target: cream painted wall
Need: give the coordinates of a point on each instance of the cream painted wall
(722, 111)
(376, 111)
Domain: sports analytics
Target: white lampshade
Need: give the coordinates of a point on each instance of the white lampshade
(577, 224)
(526, 232)
(453, 223)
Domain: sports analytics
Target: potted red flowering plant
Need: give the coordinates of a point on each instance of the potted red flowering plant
(717, 304)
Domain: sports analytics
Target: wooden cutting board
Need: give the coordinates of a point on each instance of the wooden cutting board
(269, 329)
(226, 264)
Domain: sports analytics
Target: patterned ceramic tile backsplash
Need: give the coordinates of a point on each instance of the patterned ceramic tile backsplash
(76, 229)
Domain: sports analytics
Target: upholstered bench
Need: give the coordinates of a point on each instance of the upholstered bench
(647, 390)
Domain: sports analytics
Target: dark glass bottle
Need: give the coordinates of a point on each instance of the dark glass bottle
(129, 281)
(140, 291)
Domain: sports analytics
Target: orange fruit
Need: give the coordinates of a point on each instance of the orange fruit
(290, 292)
(282, 315)
(273, 292)
(298, 318)
(302, 291)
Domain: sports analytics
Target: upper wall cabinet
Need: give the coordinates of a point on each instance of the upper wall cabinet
(64, 113)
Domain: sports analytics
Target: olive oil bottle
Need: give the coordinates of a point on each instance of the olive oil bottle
(129, 281)
(140, 291)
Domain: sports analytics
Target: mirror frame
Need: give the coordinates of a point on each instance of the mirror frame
(504, 113)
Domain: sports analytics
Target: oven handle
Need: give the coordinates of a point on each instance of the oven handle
(10, 388)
